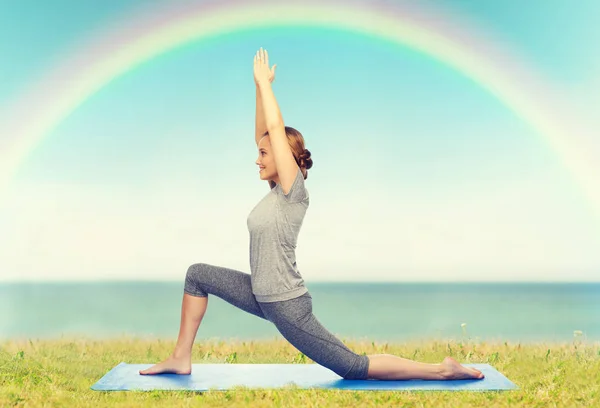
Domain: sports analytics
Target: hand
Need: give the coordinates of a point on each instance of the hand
(262, 73)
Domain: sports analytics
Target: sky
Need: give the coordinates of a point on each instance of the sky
(419, 174)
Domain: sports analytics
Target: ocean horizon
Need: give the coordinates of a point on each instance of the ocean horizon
(525, 312)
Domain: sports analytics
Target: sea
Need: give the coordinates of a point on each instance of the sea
(377, 311)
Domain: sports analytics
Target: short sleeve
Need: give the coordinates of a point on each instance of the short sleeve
(298, 191)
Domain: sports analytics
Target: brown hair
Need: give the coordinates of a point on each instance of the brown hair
(301, 154)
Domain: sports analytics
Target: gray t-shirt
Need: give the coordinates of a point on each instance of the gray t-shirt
(274, 224)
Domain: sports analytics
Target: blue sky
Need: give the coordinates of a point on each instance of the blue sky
(419, 173)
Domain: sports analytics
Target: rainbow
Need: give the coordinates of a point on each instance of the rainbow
(95, 64)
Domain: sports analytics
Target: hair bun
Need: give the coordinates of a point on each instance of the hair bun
(305, 160)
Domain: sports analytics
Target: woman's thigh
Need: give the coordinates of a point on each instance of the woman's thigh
(296, 322)
(231, 285)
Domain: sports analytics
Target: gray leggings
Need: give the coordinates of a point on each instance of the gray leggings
(293, 318)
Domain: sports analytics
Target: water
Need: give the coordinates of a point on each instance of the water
(514, 312)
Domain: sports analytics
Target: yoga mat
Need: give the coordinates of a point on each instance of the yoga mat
(204, 377)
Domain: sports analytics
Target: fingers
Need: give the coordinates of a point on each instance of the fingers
(262, 56)
(261, 59)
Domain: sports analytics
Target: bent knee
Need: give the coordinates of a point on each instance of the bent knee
(359, 370)
(196, 268)
(195, 279)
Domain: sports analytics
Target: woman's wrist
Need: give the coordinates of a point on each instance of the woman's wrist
(263, 84)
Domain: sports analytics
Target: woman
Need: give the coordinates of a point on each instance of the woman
(275, 290)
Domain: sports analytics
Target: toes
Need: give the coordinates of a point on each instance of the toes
(478, 373)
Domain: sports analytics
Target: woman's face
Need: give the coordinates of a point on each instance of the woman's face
(266, 160)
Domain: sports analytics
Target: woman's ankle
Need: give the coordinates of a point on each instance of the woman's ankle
(181, 354)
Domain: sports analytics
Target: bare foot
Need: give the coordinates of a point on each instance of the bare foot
(171, 365)
(453, 370)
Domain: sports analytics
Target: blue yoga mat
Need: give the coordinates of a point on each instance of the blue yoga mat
(204, 377)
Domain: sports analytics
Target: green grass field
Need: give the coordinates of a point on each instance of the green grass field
(60, 373)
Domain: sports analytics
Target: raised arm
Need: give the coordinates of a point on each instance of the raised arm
(260, 122)
(287, 167)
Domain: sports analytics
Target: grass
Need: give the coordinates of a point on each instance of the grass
(60, 372)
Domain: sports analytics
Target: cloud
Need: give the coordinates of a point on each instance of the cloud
(54, 232)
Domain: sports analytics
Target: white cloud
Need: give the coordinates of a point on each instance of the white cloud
(92, 232)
